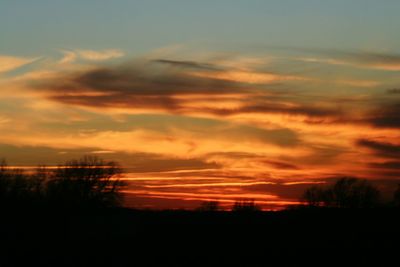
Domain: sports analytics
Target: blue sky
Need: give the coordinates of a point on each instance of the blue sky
(32, 27)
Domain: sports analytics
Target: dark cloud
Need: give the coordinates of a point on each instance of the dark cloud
(281, 165)
(121, 100)
(385, 117)
(145, 86)
(277, 108)
(382, 149)
(134, 87)
(139, 81)
(386, 165)
(188, 64)
(393, 91)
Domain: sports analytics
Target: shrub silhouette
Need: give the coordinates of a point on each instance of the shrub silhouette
(209, 206)
(245, 206)
(345, 193)
(17, 188)
(85, 183)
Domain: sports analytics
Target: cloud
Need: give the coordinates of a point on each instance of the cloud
(383, 61)
(140, 81)
(243, 133)
(269, 107)
(100, 54)
(393, 91)
(71, 56)
(162, 164)
(387, 116)
(383, 149)
(281, 165)
(360, 59)
(390, 165)
(251, 77)
(188, 64)
(147, 87)
(9, 63)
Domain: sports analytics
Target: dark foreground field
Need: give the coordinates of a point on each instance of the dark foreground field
(122, 237)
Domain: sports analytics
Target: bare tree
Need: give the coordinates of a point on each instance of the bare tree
(87, 182)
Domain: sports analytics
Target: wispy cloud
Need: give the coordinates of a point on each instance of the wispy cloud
(9, 63)
(70, 56)
(101, 54)
(188, 64)
(383, 149)
(373, 60)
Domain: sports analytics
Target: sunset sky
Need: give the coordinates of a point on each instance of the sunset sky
(205, 100)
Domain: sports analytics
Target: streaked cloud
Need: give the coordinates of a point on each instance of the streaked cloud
(360, 59)
(187, 64)
(70, 56)
(9, 63)
(381, 148)
(100, 54)
(210, 91)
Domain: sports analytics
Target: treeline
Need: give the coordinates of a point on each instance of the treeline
(88, 182)
(242, 206)
(348, 193)
(345, 193)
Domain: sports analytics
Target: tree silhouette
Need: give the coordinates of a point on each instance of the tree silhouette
(354, 193)
(209, 206)
(314, 196)
(87, 182)
(17, 188)
(345, 193)
(245, 206)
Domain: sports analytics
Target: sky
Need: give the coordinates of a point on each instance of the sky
(205, 100)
